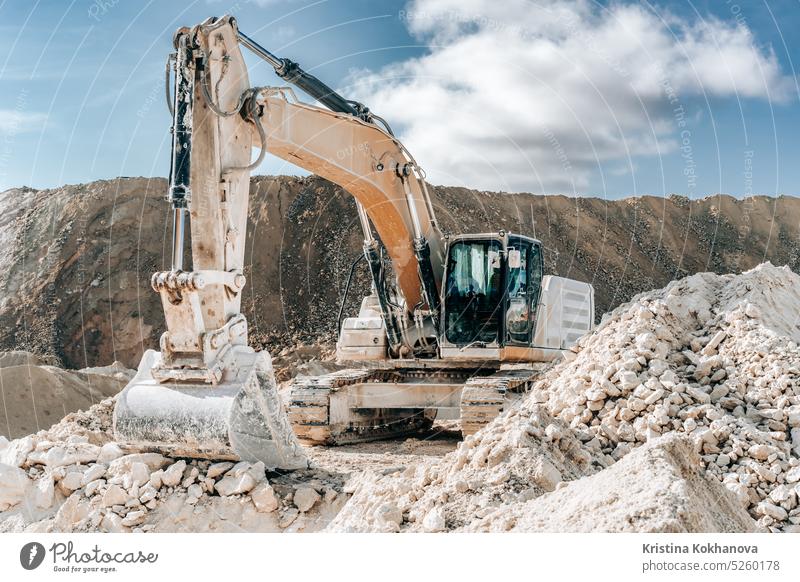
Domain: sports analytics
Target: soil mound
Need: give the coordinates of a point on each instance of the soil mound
(76, 261)
(36, 396)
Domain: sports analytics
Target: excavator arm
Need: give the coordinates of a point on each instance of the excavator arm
(209, 182)
(341, 142)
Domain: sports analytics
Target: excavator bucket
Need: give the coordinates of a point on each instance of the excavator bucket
(239, 418)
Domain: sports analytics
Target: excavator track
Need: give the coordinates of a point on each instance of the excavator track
(310, 412)
(484, 398)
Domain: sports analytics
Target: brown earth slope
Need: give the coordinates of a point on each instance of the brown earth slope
(75, 262)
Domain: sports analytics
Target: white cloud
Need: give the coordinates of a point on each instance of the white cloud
(13, 122)
(522, 95)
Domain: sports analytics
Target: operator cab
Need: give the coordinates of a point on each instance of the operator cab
(491, 290)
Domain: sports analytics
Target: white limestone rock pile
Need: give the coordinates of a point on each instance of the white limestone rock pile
(714, 357)
(74, 478)
(659, 487)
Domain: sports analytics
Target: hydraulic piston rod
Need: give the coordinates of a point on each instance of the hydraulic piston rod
(291, 72)
(179, 181)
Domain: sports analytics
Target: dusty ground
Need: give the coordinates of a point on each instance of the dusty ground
(75, 262)
(388, 456)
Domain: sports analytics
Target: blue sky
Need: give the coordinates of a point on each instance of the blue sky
(555, 96)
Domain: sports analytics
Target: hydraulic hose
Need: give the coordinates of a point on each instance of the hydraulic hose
(167, 70)
(252, 114)
(360, 258)
(292, 72)
(207, 93)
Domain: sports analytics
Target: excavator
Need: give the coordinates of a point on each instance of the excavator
(452, 326)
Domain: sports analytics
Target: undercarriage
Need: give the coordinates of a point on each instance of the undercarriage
(401, 397)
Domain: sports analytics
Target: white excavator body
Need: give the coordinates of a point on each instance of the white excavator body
(453, 323)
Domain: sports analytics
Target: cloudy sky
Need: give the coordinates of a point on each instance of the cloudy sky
(576, 97)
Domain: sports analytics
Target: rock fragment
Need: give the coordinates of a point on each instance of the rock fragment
(173, 474)
(264, 498)
(434, 521)
(114, 495)
(305, 498)
(14, 482)
(232, 485)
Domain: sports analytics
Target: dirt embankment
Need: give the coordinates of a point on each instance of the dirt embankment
(75, 262)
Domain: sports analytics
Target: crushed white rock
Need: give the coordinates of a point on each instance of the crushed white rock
(70, 478)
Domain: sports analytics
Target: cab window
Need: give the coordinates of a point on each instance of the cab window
(473, 292)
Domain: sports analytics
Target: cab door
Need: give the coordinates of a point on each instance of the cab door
(523, 285)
